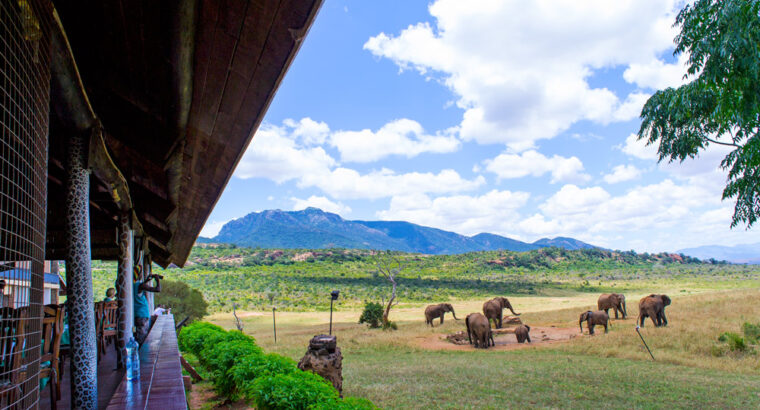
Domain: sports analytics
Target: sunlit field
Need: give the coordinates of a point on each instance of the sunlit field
(398, 369)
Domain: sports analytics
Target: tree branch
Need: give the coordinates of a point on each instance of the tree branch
(728, 144)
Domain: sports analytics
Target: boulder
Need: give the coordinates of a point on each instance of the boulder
(323, 357)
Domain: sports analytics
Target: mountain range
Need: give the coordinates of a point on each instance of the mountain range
(313, 228)
(749, 253)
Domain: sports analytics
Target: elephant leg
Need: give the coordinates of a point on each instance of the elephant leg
(664, 319)
(527, 337)
(642, 317)
(605, 328)
(441, 320)
(500, 322)
(590, 328)
(616, 313)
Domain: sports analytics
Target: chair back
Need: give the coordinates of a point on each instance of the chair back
(12, 335)
(52, 330)
(110, 315)
(98, 315)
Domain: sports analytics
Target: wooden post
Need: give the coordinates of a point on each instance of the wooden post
(124, 287)
(84, 354)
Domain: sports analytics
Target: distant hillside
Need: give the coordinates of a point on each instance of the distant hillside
(749, 253)
(313, 228)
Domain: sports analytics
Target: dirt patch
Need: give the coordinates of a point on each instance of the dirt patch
(504, 341)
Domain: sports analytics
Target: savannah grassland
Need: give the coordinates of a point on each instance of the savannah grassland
(401, 369)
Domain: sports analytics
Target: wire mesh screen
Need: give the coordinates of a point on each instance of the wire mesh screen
(24, 107)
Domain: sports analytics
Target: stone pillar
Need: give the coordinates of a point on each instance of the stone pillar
(324, 358)
(124, 287)
(84, 355)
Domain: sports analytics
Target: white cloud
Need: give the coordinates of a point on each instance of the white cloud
(400, 137)
(520, 69)
(322, 203)
(309, 131)
(345, 183)
(212, 228)
(275, 155)
(622, 173)
(656, 74)
(464, 214)
(533, 163)
(281, 154)
(638, 148)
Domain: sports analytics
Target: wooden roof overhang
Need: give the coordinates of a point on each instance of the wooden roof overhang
(176, 90)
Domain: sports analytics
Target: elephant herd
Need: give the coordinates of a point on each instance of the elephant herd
(479, 325)
(480, 335)
(651, 306)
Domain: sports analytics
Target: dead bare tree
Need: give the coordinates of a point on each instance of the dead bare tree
(238, 323)
(389, 266)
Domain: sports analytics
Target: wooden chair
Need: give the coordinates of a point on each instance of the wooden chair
(50, 367)
(107, 325)
(12, 369)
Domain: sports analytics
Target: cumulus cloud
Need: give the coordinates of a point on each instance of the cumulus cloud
(533, 163)
(490, 212)
(309, 131)
(320, 202)
(638, 148)
(622, 173)
(283, 153)
(520, 70)
(400, 137)
(656, 74)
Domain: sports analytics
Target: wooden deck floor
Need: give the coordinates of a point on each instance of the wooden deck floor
(108, 380)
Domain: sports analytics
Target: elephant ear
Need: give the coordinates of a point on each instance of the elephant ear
(665, 300)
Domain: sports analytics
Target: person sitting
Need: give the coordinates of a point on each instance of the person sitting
(110, 295)
(160, 310)
(140, 302)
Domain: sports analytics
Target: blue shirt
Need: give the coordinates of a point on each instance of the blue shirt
(140, 301)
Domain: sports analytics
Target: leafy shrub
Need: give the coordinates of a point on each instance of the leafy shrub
(294, 391)
(372, 315)
(196, 336)
(221, 357)
(735, 342)
(183, 300)
(751, 332)
(390, 326)
(247, 369)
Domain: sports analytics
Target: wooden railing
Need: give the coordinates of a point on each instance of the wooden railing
(160, 385)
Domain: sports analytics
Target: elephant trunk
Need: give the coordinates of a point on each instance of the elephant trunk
(625, 310)
(509, 306)
(580, 324)
(454, 314)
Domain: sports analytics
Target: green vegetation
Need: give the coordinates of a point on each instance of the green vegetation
(240, 370)
(372, 315)
(301, 280)
(720, 104)
(182, 299)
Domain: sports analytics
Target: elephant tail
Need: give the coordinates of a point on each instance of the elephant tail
(467, 323)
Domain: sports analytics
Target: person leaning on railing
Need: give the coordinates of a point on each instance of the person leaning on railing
(141, 308)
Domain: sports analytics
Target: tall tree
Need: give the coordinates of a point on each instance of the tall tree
(389, 266)
(721, 103)
(183, 300)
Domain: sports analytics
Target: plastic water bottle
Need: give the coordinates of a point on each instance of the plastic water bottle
(133, 360)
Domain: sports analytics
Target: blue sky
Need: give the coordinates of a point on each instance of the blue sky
(510, 117)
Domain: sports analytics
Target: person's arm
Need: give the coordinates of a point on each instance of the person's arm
(147, 288)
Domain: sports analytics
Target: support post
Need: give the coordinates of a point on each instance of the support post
(124, 287)
(84, 355)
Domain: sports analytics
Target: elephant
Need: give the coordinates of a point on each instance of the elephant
(523, 333)
(614, 301)
(435, 311)
(653, 306)
(599, 317)
(479, 330)
(493, 310)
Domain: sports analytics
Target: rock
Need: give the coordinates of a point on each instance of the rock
(458, 338)
(511, 320)
(323, 357)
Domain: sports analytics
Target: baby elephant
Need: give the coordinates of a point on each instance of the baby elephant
(523, 333)
(594, 318)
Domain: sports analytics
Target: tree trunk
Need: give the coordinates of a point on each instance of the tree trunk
(390, 303)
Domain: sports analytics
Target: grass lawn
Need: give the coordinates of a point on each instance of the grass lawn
(692, 369)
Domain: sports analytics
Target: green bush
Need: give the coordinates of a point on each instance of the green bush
(223, 356)
(751, 332)
(195, 337)
(295, 391)
(372, 315)
(248, 368)
(390, 326)
(735, 342)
